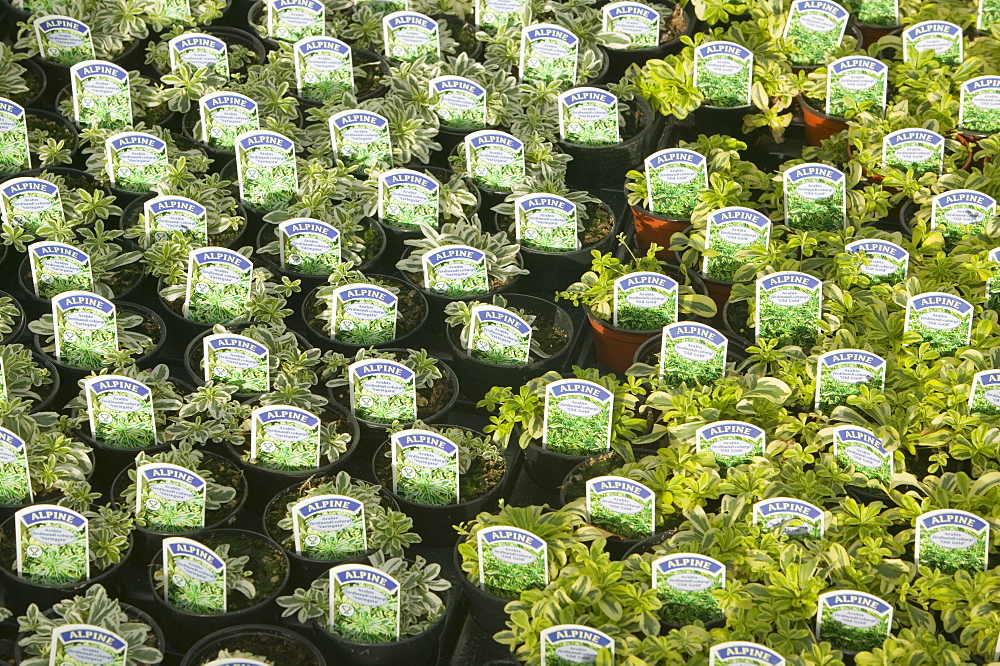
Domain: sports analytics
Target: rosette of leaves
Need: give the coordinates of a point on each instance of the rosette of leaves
(114, 25)
(364, 30)
(542, 158)
(147, 104)
(503, 49)
(96, 608)
(16, 81)
(344, 275)
(24, 377)
(593, 223)
(459, 315)
(184, 163)
(196, 599)
(967, 604)
(132, 341)
(114, 268)
(420, 600)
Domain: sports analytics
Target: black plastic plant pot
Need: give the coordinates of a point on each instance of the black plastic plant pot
(726, 120)
(485, 609)
(733, 327)
(267, 561)
(464, 33)
(34, 76)
(49, 121)
(620, 59)
(376, 89)
(548, 468)
(57, 75)
(49, 496)
(864, 496)
(47, 393)
(129, 219)
(279, 645)
(20, 320)
(232, 36)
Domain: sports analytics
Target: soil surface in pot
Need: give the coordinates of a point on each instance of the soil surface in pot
(549, 338)
(736, 317)
(73, 181)
(599, 223)
(409, 309)
(602, 465)
(481, 477)
(274, 646)
(34, 88)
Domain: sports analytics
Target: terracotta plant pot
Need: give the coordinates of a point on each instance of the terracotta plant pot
(652, 228)
(819, 126)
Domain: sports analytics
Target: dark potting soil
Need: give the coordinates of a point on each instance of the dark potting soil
(53, 129)
(736, 317)
(34, 88)
(367, 77)
(275, 647)
(73, 182)
(409, 309)
(602, 465)
(599, 223)
(550, 339)
(465, 35)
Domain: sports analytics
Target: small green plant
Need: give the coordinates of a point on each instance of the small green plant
(459, 315)
(202, 599)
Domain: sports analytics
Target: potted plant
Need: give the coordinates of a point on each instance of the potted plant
(242, 48)
(23, 81)
(31, 379)
(266, 643)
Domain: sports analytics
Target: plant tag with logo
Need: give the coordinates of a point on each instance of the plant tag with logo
(194, 577)
(169, 497)
(101, 96)
(800, 520)
(172, 216)
(324, 68)
(853, 80)
(86, 328)
(284, 438)
(588, 117)
(723, 72)
(219, 281)
(383, 391)
(644, 301)
(63, 40)
(987, 17)
(52, 544)
(237, 360)
(979, 109)
(546, 222)
(136, 161)
(962, 213)
(673, 179)
(492, 16)
(575, 644)
(883, 262)
(993, 283)
(499, 336)
(31, 203)
(224, 116)
(942, 37)
(914, 148)
(860, 448)
(742, 653)
(460, 102)
(291, 20)
(120, 411)
(494, 160)
(634, 21)
(692, 353)
(364, 604)
(511, 560)
(361, 140)
(852, 620)
(15, 476)
(952, 540)
(409, 36)
(815, 29)
(731, 442)
(684, 583)
(943, 320)
(456, 271)
(363, 314)
(815, 199)
(984, 398)
(578, 417)
(266, 167)
(309, 246)
(57, 268)
(329, 527)
(877, 12)
(549, 55)
(729, 231)
(86, 644)
(15, 155)
(200, 50)
(621, 506)
(424, 467)
(789, 307)
(408, 199)
(841, 373)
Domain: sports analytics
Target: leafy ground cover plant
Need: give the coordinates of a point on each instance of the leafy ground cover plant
(133, 341)
(544, 341)
(114, 26)
(240, 579)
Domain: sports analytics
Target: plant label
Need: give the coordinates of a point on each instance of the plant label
(684, 583)
(993, 283)
(236, 661)
(409, 36)
(224, 116)
(511, 560)
(494, 160)
(731, 442)
(723, 72)
(456, 271)
(636, 22)
(815, 199)
(984, 398)
(178, 10)
(15, 477)
(200, 51)
(171, 216)
(578, 417)
(31, 203)
(588, 117)
(383, 391)
(266, 167)
(883, 262)
(575, 644)
(988, 16)
(460, 102)
(952, 540)
(546, 222)
(86, 328)
(621, 506)
(363, 314)
(57, 268)
(815, 29)
(942, 37)
(860, 448)
(329, 527)
(324, 68)
(169, 497)
(852, 620)
(673, 179)
(878, 12)
(730, 231)
(492, 16)
(15, 155)
(283, 437)
(692, 353)
(361, 140)
(237, 360)
(424, 467)
(644, 301)
(943, 320)
(789, 307)
(979, 109)
(86, 644)
(194, 577)
(960, 213)
(914, 148)
(136, 161)
(841, 373)
(742, 653)
(219, 281)
(63, 40)
(498, 336)
(309, 246)
(798, 519)
(364, 604)
(549, 54)
(408, 199)
(101, 95)
(854, 80)
(291, 20)
(120, 411)
(52, 544)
